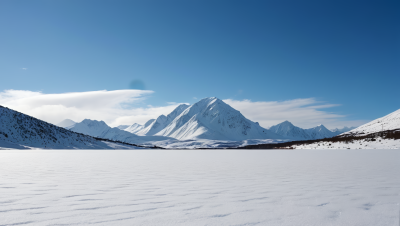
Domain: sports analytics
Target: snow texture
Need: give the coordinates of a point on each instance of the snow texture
(211, 118)
(19, 131)
(200, 187)
(388, 122)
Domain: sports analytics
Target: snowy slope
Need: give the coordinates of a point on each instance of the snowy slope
(134, 128)
(211, 118)
(162, 121)
(102, 130)
(18, 130)
(388, 122)
(66, 123)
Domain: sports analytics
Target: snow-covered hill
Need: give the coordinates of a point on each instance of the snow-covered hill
(162, 121)
(18, 130)
(211, 118)
(134, 128)
(66, 123)
(102, 130)
(388, 122)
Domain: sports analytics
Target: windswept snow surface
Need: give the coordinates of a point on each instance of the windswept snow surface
(200, 187)
(388, 122)
(102, 130)
(21, 131)
(211, 118)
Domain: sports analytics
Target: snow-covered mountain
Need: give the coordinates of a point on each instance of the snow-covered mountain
(320, 132)
(338, 131)
(18, 130)
(102, 130)
(388, 122)
(148, 122)
(154, 127)
(122, 127)
(66, 123)
(162, 121)
(134, 128)
(287, 129)
(211, 118)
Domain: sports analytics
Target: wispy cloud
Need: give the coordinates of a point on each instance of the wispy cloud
(109, 106)
(304, 113)
(24, 68)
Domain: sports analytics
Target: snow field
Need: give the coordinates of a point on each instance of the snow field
(356, 144)
(199, 187)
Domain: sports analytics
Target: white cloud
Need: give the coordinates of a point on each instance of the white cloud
(113, 107)
(24, 68)
(304, 113)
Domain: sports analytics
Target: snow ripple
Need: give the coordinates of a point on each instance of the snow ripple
(199, 187)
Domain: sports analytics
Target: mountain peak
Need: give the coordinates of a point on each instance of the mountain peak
(66, 123)
(91, 122)
(211, 118)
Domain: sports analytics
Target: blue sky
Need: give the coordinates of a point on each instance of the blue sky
(345, 53)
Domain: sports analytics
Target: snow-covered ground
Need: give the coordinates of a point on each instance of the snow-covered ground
(206, 143)
(379, 143)
(200, 187)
